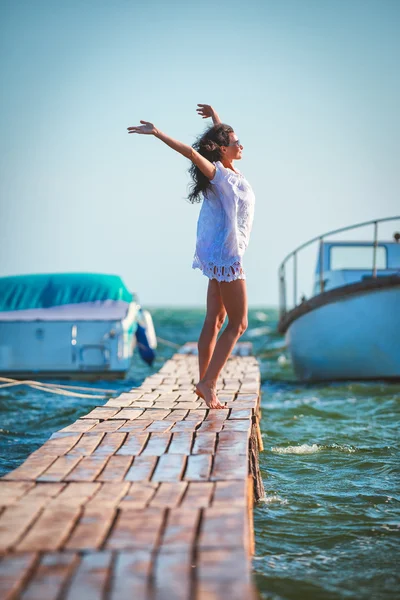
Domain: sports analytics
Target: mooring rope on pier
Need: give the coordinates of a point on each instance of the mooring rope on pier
(52, 388)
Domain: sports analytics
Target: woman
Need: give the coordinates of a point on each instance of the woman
(223, 232)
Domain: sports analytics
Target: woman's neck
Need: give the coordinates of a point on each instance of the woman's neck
(228, 165)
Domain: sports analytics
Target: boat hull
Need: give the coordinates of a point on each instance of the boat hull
(70, 349)
(353, 337)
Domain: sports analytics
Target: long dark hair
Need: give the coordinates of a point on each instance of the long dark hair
(208, 145)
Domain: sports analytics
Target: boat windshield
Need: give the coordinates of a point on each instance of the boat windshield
(357, 257)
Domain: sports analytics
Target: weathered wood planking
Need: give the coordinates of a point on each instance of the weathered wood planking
(148, 497)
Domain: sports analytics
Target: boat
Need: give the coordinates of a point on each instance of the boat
(72, 326)
(349, 327)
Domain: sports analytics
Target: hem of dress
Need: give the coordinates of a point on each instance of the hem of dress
(219, 272)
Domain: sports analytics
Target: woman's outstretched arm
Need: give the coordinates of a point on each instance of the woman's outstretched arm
(206, 111)
(205, 166)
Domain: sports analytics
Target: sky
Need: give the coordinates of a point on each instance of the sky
(311, 88)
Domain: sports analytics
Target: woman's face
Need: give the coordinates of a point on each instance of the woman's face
(234, 150)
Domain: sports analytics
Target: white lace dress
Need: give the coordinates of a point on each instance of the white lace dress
(224, 226)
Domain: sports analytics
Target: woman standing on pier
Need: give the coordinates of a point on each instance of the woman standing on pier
(223, 232)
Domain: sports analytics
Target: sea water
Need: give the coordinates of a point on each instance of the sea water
(329, 525)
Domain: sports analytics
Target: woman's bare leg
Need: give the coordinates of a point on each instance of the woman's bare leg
(234, 298)
(213, 322)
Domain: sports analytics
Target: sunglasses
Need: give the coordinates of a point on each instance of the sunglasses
(235, 143)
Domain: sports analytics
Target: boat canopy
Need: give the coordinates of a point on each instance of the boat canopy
(24, 292)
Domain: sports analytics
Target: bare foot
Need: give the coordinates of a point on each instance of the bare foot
(209, 395)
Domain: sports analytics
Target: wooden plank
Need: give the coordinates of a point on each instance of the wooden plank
(31, 468)
(204, 442)
(91, 577)
(181, 530)
(211, 426)
(223, 565)
(139, 495)
(142, 468)
(181, 443)
(91, 529)
(136, 426)
(50, 530)
(60, 468)
(234, 442)
(51, 576)
(198, 467)
(108, 426)
(185, 426)
(136, 529)
(239, 404)
(159, 426)
(224, 528)
(173, 576)
(250, 387)
(108, 495)
(241, 413)
(110, 444)
(132, 572)
(143, 404)
(249, 396)
(170, 467)
(155, 414)
(198, 415)
(128, 413)
(230, 493)
(168, 495)
(116, 469)
(227, 466)
(76, 494)
(60, 445)
(121, 401)
(157, 444)
(226, 397)
(12, 491)
(15, 570)
(150, 396)
(188, 405)
(176, 415)
(237, 425)
(198, 495)
(101, 413)
(40, 491)
(87, 444)
(165, 404)
(15, 520)
(133, 444)
(80, 426)
(224, 590)
(88, 468)
(217, 415)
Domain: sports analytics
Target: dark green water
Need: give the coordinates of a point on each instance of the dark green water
(329, 527)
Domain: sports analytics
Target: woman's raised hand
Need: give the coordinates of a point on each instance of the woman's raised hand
(205, 111)
(146, 129)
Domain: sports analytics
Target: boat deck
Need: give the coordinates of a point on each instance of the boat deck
(148, 497)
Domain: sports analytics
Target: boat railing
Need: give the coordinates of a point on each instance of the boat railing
(293, 256)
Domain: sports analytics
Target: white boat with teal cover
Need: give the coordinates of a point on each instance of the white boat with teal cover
(350, 326)
(71, 325)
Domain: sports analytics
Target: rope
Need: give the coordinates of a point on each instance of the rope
(167, 343)
(53, 388)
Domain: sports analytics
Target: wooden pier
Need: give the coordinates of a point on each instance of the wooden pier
(149, 497)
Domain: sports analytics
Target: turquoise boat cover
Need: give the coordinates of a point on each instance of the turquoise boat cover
(22, 292)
